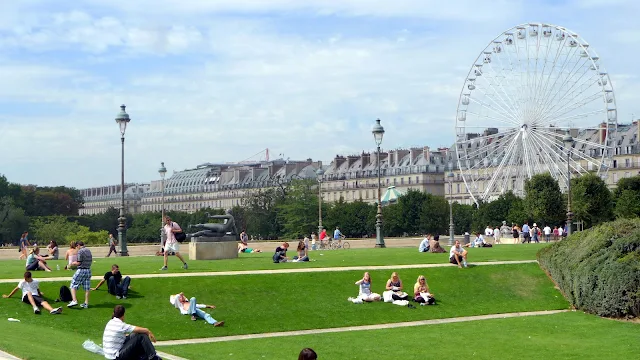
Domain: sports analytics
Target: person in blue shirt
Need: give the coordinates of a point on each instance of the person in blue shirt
(337, 235)
(526, 233)
(424, 244)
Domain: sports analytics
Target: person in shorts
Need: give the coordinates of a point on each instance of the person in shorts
(82, 276)
(31, 295)
(458, 255)
(172, 245)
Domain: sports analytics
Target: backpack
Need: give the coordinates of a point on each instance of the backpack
(65, 294)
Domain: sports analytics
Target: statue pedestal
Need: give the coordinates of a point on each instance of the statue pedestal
(203, 248)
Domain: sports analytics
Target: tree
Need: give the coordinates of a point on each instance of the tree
(627, 197)
(591, 200)
(261, 216)
(411, 205)
(434, 215)
(543, 201)
(53, 228)
(13, 221)
(462, 217)
(298, 213)
(392, 224)
(507, 207)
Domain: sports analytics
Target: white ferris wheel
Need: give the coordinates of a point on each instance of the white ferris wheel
(530, 87)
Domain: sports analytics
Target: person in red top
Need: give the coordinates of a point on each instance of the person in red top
(323, 234)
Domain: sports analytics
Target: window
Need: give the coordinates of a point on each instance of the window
(627, 163)
(401, 181)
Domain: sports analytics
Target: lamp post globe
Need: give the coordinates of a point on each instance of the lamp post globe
(378, 132)
(122, 119)
(568, 143)
(450, 177)
(319, 174)
(162, 171)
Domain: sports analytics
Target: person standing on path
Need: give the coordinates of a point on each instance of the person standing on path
(112, 245)
(82, 276)
(171, 244)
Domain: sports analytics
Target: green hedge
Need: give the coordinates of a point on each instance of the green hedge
(598, 270)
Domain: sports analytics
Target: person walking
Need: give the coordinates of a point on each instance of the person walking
(171, 244)
(24, 245)
(112, 245)
(82, 276)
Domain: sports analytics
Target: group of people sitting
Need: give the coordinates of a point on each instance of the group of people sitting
(280, 255)
(393, 291)
(429, 244)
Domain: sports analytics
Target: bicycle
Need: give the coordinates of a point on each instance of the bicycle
(334, 244)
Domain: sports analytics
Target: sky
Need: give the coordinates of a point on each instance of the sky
(220, 81)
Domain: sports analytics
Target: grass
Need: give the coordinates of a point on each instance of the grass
(282, 302)
(13, 269)
(572, 335)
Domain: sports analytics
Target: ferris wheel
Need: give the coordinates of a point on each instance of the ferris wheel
(526, 91)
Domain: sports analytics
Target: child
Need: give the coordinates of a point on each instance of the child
(31, 295)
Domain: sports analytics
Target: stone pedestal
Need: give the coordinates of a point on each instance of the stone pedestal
(213, 248)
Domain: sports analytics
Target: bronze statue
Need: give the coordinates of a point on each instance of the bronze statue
(227, 227)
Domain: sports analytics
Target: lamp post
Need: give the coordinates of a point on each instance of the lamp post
(378, 133)
(451, 226)
(319, 173)
(122, 119)
(162, 171)
(568, 142)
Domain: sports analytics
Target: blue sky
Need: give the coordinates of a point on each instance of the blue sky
(219, 81)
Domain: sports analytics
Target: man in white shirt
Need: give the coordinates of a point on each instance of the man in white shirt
(31, 295)
(424, 244)
(171, 245)
(547, 233)
(488, 231)
(479, 241)
(458, 255)
(118, 346)
(191, 307)
(496, 235)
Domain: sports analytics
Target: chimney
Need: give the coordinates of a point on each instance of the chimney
(364, 159)
(390, 157)
(414, 155)
(400, 154)
(426, 153)
(351, 159)
(338, 161)
(603, 133)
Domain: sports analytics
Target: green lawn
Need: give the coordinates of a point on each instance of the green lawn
(13, 269)
(283, 302)
(561, 336)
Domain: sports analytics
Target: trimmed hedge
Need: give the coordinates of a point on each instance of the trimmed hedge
(598, 270)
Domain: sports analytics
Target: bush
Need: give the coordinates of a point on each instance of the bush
(598, 269)
(88, 237)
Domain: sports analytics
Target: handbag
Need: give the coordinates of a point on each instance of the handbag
(180, 236)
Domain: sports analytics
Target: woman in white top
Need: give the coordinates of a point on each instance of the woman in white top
(365, 293)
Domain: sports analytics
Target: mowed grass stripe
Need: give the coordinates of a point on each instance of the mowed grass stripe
(254, 304)
(13, 269)
(356, 328)
(285, 271)
(570, 335)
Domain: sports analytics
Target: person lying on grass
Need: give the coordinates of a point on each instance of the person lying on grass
(32, 295)
(365, 293)
(421, 292)
(458, 255)
(121, 341)
(116, 285)
(395, 284)
(190, 307)
(243, 248)
(35, 261)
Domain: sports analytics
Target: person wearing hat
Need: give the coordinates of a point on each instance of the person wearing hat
(535, 233)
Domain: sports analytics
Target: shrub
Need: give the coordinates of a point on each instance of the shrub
(598, 270)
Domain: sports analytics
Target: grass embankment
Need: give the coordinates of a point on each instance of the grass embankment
(572, 335)
(282, 302)
(13, 269)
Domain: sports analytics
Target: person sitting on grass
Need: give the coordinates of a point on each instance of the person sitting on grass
(53, 250)
(190, 307)
(35, 261)
(121, 341)
(307, 354)
(242, 248)
(435, 245)
(424, 244)
(395, 284)
(280, 255)
(365, 293)
(32, 295)
(116, 285)
(303, 254)
(421, 292)
(71, 256)
(458, 255)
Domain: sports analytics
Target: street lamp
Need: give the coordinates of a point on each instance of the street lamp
(122, 119)
(568, 142)
(378, 133)
(319, 173)
(162, 171)
(451, 226)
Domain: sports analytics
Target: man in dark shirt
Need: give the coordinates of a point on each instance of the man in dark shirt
(281, 253)
(116, 285)
(82, 275)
